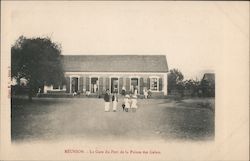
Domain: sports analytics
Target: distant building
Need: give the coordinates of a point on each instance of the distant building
(208, 84)
(209, 77)
(96, 73)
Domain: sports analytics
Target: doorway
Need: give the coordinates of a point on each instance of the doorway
(134, 84)
(94, 85)
(114, 85)
(74, 84)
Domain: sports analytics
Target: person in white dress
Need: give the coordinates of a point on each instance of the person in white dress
(95, 88)
(114, 102)
(134, 103)
(123, 90)
(145, 92)
(127, 103)
(136, 91)
(106, 100)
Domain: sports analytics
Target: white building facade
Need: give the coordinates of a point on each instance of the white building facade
(96, 73)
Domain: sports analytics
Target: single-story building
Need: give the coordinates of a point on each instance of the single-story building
(96, 73)
(209, 77)
(208, 84)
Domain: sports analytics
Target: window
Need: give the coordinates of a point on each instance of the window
(154, 84)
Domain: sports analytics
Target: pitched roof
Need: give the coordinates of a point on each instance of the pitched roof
(114, 63)
(209, 77)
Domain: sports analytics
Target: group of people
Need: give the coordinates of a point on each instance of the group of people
(129, 103)
(146, 92)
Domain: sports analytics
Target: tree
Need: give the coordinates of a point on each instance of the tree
(208, 88)
(175, 78)
(192, 86)
(38, 60)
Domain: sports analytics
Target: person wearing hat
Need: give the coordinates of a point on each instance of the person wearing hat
(123, 90)
(134, 103)
(127, 102)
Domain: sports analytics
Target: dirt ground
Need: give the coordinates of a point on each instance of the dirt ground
(84, 118)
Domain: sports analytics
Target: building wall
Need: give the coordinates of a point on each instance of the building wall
(124, 79)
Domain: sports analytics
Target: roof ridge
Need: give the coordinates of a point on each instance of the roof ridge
(116, 55)
(143, 63)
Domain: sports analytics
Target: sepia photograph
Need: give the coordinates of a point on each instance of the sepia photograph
(116, 96)
(117, 75)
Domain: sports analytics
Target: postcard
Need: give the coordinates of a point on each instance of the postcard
(124, 80)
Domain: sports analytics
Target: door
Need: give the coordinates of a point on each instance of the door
(94, 85)
(134, 84)
(114, 85)
(74, 84)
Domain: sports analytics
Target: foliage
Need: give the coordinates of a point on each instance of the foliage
(175, 78)
(190, 87)
(207, 88)
(191, 84)
(38, 60)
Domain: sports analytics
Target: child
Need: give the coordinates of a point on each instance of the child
(123, 91)
(145, 91)
(123, 107)
(74, 93)
(134, 103)
(87, 93)
(127, 103)
(114, 102)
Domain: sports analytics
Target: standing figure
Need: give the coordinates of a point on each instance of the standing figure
(74, 93)
(132, 89)
(134, 103)
(114, 102)
(149, 93)
(95, 88)
(127, 103)
(123, 90)
(136, 91)
(39, 92)
(123, 107)
(145, 92)
(106, 101)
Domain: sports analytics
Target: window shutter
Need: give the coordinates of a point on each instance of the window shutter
(160, 84)
(67, 84)
(87, 84)
(148, 83)
(107, 84)
(84, 83)
(127, 84)
(100, 84)
(120, 84)
(81, 84)
(141, 86)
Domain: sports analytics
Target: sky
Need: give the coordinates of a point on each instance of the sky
(190, 34)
